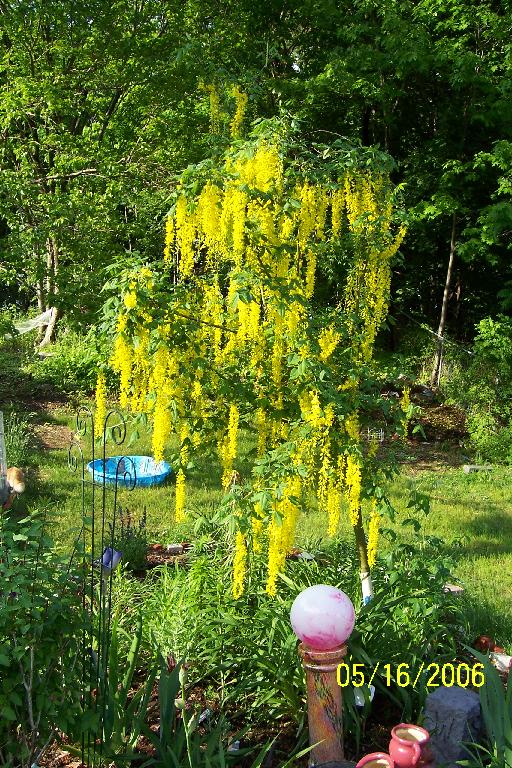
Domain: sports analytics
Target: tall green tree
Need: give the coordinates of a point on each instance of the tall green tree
(98, 109)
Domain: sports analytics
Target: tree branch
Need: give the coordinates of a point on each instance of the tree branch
(73, 174)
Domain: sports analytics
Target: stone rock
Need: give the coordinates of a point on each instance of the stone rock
(454, 589)
(452, 717)
(469, 468)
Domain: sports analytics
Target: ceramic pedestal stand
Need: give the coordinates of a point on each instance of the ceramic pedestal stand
(325, 703)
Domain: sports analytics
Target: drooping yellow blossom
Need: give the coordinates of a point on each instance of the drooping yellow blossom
(257, 528)
(353, 483)
(184, 450)
(324, 473)
(185, 235)
(373, 534)
(169, 239)
(214, 108)
(101, 405)
(405, 402)
(181, 494)
(276, 557)
(121, 362)
(262, 428)
(130, 300)
(333, 507)
(228, 446)
(140, 371)
(310, 273)
(162, 426)
(238, 118)
(352, 425)
(239, 565)
(328, 340)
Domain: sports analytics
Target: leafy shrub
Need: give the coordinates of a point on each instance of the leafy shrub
(71, 364)
(485, 390)
(7, 329)
(132, 539)
(40, 632)
(17, 439)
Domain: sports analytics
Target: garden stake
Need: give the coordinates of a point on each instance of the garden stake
(325, 703)
(323, 618)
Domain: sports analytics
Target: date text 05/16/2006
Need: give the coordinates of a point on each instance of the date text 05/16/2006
(403, 675)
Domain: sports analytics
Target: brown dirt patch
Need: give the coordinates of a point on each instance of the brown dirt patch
(443, 422)
(431, 457)
(52, 436)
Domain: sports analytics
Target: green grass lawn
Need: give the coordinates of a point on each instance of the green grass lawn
(472, 514)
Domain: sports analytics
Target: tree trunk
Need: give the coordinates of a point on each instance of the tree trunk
(436, 371)
(41, 305)
(52, 263)
(364, 570)
(50, 329)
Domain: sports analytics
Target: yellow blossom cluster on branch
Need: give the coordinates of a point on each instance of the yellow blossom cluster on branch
(234, 343)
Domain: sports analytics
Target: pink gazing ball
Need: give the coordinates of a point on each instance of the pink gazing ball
(322, 617)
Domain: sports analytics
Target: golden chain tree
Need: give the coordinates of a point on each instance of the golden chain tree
(222, 336)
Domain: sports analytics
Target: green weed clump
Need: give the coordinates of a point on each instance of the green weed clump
(70, 366)
(17, 439)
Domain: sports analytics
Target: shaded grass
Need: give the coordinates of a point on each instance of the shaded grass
(471, 514)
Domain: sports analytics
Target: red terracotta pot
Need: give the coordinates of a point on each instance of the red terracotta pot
(376, 760)
(409, 746)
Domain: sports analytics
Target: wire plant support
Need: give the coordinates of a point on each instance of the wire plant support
(95, 548)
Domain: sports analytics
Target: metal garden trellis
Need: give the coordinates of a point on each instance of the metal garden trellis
(95, 546)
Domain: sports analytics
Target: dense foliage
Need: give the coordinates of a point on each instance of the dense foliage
(41, 624)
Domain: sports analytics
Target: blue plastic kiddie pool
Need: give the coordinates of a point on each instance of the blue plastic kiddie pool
(145, 469)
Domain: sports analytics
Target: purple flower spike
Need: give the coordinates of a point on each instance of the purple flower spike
(110, 558)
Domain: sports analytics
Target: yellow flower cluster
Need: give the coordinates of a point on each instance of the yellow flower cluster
(373, 534)
(121, 362)
(281, 534)
(353, 483)
(228, 446)
(101, 405)
(130, 300)
(239, 565)
(169, 239)
(328, 340)
(405, 402)
(214, 107)
(334, 497)
(238, 118)
(369, 214)
(181, 494)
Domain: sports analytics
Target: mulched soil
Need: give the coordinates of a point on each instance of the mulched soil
(52, 436)
(443, 422)
(432, 456)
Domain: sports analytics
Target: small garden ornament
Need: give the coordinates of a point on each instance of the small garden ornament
(323, 618)
(409, 746)
(376, 760)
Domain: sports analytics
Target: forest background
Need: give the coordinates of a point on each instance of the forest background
(103, 104)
